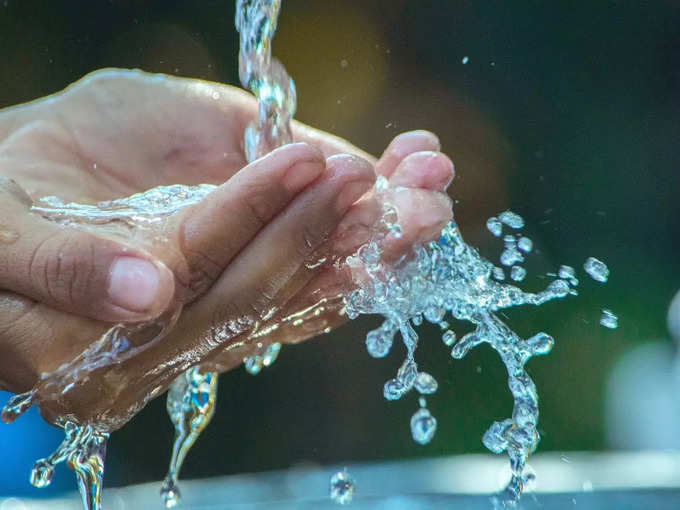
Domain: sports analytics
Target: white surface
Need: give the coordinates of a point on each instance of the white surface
(388, 484)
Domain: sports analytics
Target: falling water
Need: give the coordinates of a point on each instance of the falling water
(190, 404)
(274, 90)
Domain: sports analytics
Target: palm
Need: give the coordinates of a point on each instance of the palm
(113, 135)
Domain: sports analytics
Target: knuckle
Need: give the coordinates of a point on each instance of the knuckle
(63, 266)
(203, 270)
(257, 204)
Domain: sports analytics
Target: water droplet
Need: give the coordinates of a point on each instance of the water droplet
(425, 383)
(511, 219)
(449, 338)
(541, 343)
(609, 320)
(464, 60)
(344, 63)
(270, 354)
(253, 364)
(494, 226)
(568, 273)
(597, 269)
(369, 254)
(498, 273)
(170, 494)
(525, 244)
(518, 273)
(42, 473)
(17, 405)
(378, 344)
(393, 390)
(423, 426)
(396, 230)
(381, 184)
(342, 488)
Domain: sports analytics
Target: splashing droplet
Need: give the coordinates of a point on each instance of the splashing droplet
(597, 269)
(511, 219)
(525, 244)
(42, 473)
(342, 488)
(518, 273)
(494, 226)
(425, 383)
(449, 338)
(609, 320)
(423, 426)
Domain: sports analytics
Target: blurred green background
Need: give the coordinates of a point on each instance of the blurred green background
(567, 112)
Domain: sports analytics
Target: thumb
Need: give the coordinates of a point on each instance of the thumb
(74, 270)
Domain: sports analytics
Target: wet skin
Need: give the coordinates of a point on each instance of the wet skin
(246, 255)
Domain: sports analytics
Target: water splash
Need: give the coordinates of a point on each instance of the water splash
(265, 356)
(342, 488)
(609, 319)
(84, 450)
(597, 269)
(191, 405)
(450, 277)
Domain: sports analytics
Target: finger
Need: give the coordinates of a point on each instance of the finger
(36, 339)
(77, 271)
(402, 146)
(214, 231)
(329, 144)
(260, 277)
(254, 282)
(422, 215)
(425, 169)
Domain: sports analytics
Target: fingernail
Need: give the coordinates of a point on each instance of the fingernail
(425, 169)
(350, 193)
(301, 174)
(414, 141)
(133, 284)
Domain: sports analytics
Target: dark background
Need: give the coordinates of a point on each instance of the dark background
(568, 112)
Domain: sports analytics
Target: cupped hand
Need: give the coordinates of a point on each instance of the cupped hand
(236, 262)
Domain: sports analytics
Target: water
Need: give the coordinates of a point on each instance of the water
(84, 450)
(423, 424)
(264, 75)
(192, 396)
(450, 277)
(597, 269)
(494, 226)
(511, 219)
(265, 357)
(191, 405)
(518, 273)
(525, 244)
(342, 488)
(609, 320)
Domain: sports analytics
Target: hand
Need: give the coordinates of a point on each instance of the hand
(239, 255)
